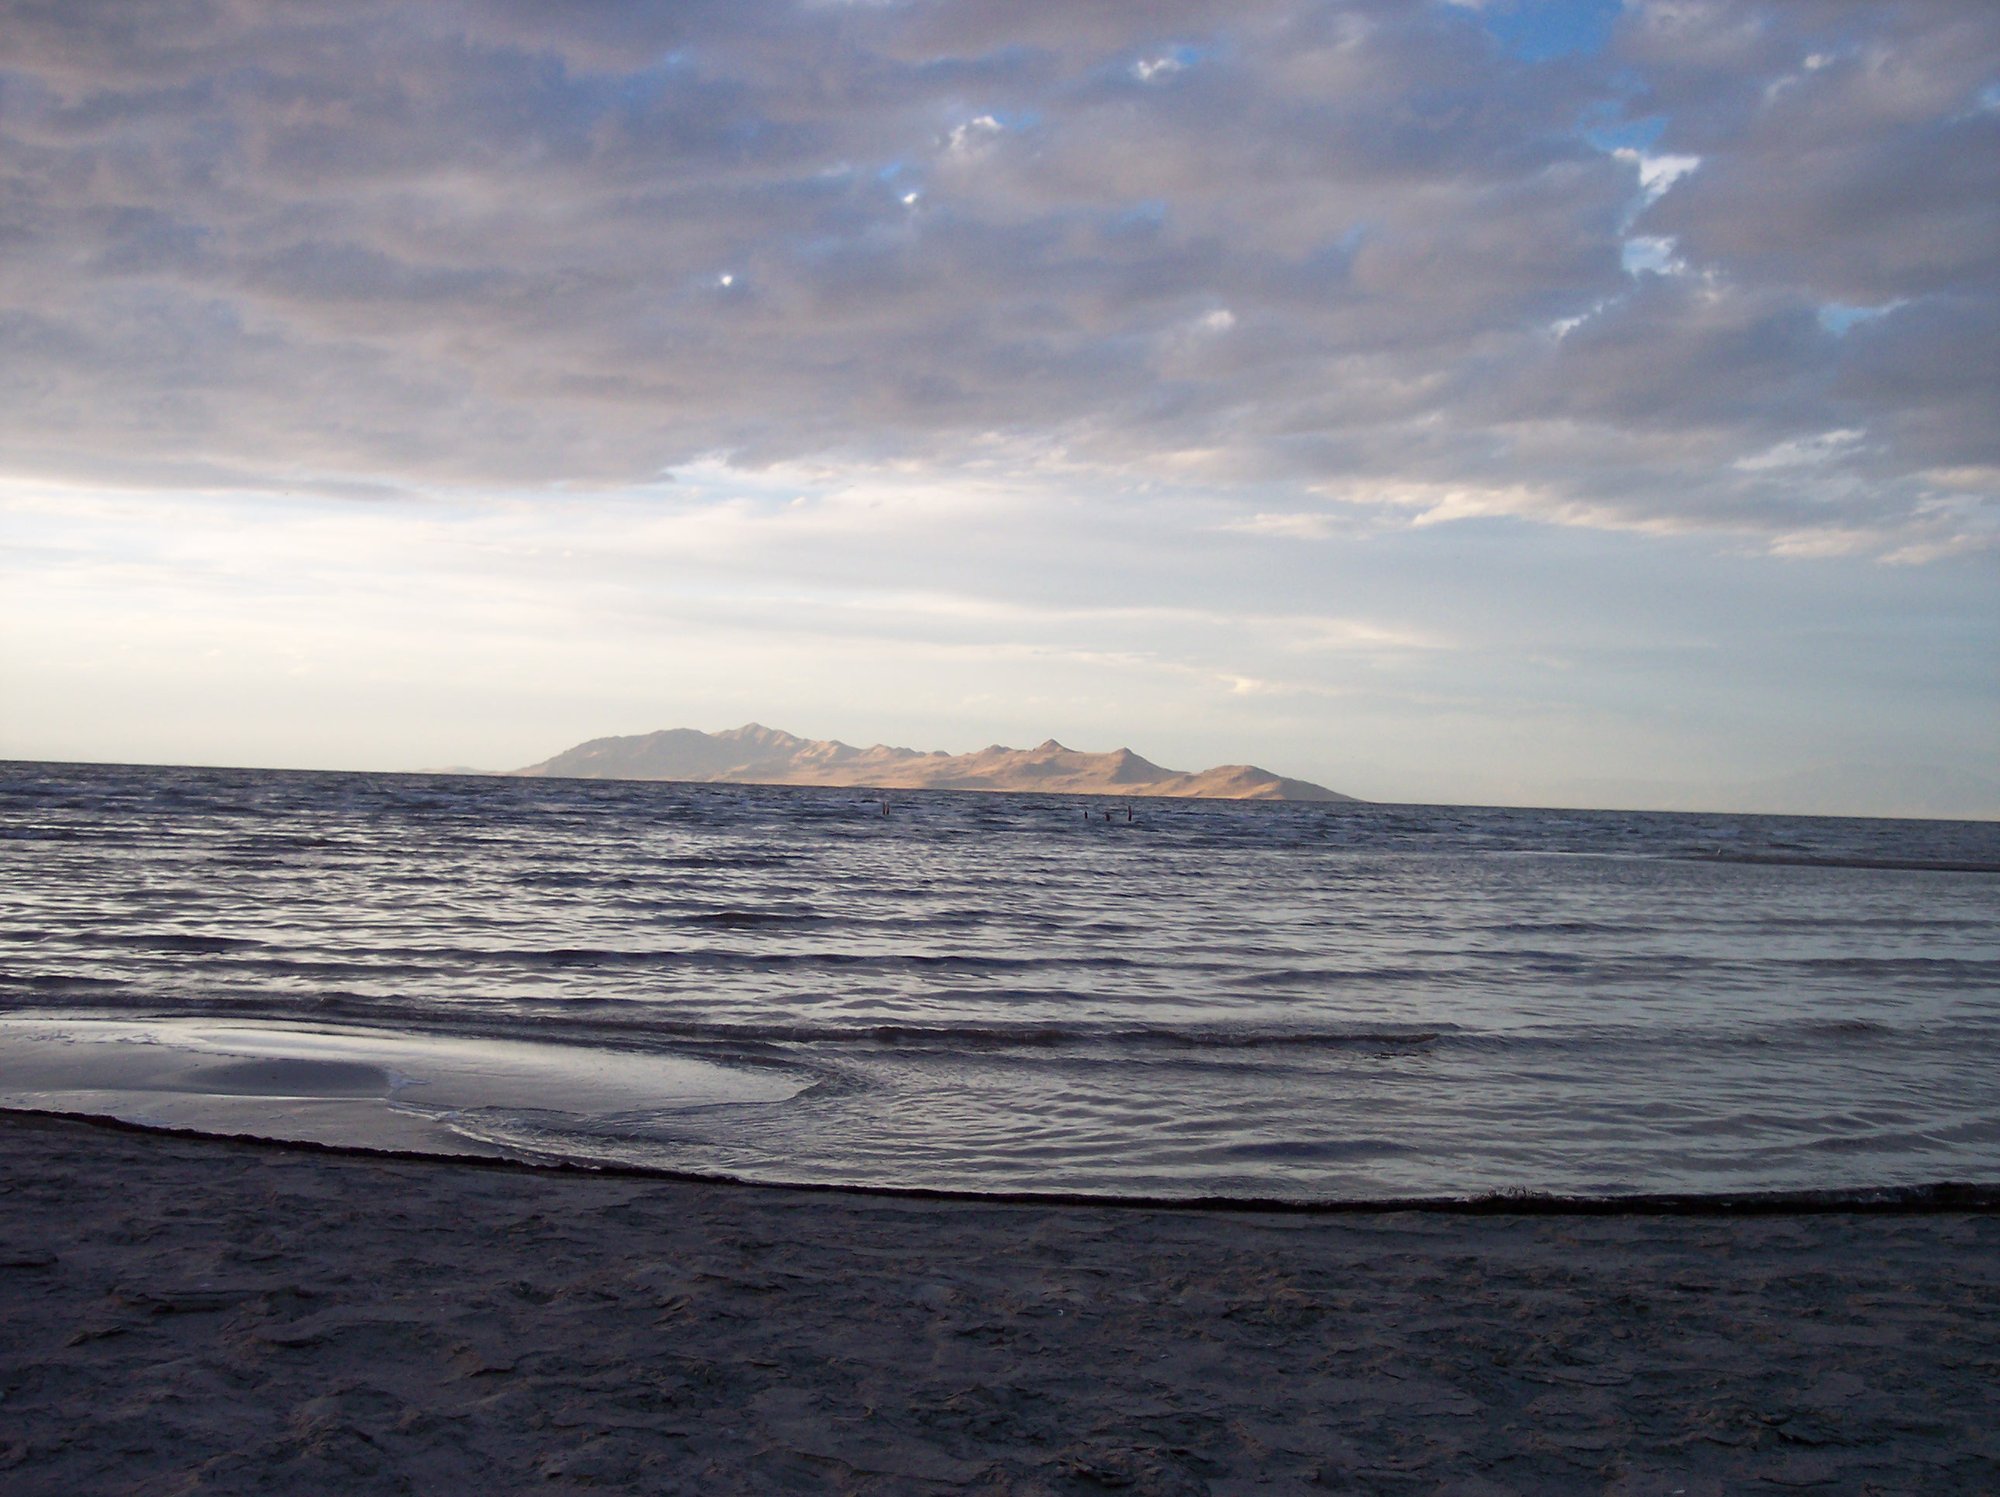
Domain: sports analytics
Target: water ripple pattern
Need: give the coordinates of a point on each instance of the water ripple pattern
(1037, 993)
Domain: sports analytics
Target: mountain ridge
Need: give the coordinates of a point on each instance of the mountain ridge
(757, 755)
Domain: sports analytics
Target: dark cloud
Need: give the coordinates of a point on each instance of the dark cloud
(1325, 244)
(1858, 161)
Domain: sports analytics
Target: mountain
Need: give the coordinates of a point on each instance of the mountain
(757, 755)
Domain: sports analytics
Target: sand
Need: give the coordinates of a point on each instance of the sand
(189, 1315)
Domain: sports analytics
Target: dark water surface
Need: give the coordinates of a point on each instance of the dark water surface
(1008, 992)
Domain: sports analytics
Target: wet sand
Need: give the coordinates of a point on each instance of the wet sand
(187, 1315)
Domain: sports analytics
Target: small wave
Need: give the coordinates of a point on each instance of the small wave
(730, 959)
(1931, 1198)
(653, 1029)
(1889, 1200)
(1552, 928)
(1955, 971)
(191, 943)
(722, 860)
(1285, 977)
(1844, 860)
(266, 844)
(754, 919)
(62, 982)
(1815, 1035)
(1847, 1028)
(963, 1038)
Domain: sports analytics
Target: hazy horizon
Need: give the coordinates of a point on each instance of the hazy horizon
(1819, 790)
(1510, 402)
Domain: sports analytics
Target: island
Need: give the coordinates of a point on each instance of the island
(757, 755)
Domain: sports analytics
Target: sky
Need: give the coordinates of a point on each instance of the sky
(1569, 403)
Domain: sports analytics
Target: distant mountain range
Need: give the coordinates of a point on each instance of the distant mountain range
(756, 755)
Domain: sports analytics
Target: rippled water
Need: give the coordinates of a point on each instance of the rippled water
(1017, 993)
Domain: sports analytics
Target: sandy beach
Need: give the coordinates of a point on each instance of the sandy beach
(187, 1315)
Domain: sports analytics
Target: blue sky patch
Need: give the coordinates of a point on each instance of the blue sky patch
(1537, 30)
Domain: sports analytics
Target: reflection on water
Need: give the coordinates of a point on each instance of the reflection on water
(351, 1087)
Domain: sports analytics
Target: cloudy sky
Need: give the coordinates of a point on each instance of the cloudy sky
(1563, 403)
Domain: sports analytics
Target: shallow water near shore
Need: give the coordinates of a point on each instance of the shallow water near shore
(1007, 993)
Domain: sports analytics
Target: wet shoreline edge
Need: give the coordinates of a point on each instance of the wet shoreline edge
(1933, 1198)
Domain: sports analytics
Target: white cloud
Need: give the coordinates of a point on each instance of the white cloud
(1657, 173)
(973, 137)
(1303, 527)
(1803, 452)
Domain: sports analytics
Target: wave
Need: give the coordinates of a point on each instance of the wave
(619, 1025)
(973, 1038)
(345, 1009)
(754, 919)
(1803, 859)
(1932, 1198)
(191, 943)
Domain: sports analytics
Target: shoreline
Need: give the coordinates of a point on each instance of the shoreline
(1924, 1199)
(192, 1314)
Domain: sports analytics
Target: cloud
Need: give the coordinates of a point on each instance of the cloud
(1657, 173)
(1801, 452)
(386, 248)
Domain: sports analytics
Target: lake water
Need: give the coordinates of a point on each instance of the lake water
(1007, 992)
